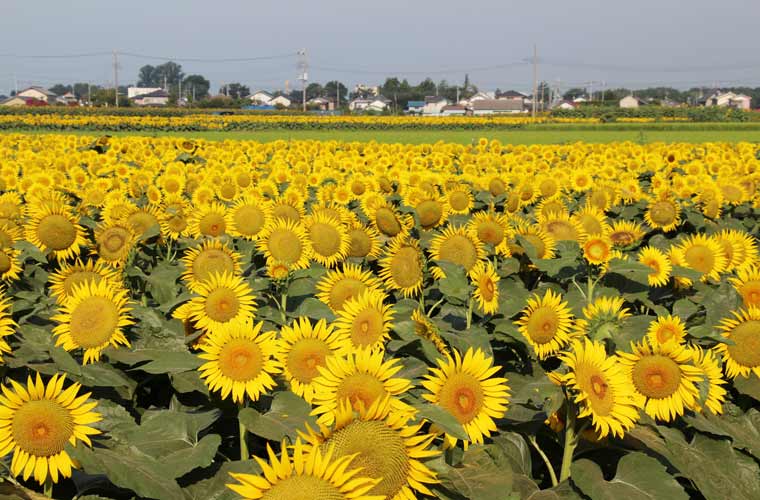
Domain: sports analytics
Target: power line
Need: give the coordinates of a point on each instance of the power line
(209, 60)
(418, 72)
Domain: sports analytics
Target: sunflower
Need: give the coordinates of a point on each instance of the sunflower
(7, 325)
(336, 287)
(402, 268)
(308, 474)
(600, 388)
(360, 378)
(286, 242)
(385, 445)
(10, 266)
(592, 220)
(465, 386)
(542, 242)
(92, 318)
(660, 264)
(365, 319)
(597, 249)
(53, 229)
(742, 357)
(486, 282)
(700, 253)
(68, 276)
(142, 219)
(747, 284)
(426, 329)
(387, 221)
(223, 299)
(37, 421)
(561, 227)
(663, 381)
(546, 323)
(328, 239)
(173, 220)
(209, 220)
(211, 256)
(626, 233)
(248, 216)
(113, 242)
(663, 214)
(431, 212)
(458, 246)
(715, 395)
(364, 241)
(459, 199)
(665, 329)
(240, 360)
(305, 348)
(491, 229)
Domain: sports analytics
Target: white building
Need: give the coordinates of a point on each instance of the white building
(158, 97)
(133, 92)
(454, 110)
(375, 104)
(280, 101)
(260, 98)
(629, 102)
(730, 100)
(39, 94)
(496, 107)
(434, 105)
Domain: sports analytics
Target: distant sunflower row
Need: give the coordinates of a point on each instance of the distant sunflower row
(382, 236)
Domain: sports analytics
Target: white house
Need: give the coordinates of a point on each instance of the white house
(321, 103)
(133, 92)
(434, 105)
(566, 105)
(454, 110)
(630, 101)
(260, 98)
(68, 99)
(729, 99)
(376, 104)
(17, 101)
(479, 96)
(415, 107)
(158, 97)
(496, 107)
(40, 94)
(280, 101)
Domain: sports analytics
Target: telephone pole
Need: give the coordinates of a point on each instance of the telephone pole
(303, 74)
(116, 77)
(535, 79)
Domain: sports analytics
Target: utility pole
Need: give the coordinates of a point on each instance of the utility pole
(89, 94)
(15, 84)
(116, 77)
(535, 79)
(337, 91)
(179, 92)
(303, 74)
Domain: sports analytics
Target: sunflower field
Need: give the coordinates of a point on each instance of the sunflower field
(324, 320)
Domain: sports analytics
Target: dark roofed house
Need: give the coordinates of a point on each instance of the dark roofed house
(511, 94)
(415, 107)
(496, 106)
(158, 97)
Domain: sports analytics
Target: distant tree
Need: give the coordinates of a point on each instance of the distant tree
(235, 90)
(331, 91)
(147, 76)
(543, 95)
(426, 87)
(574, 93)
(106, 97)
(195, 85)
(60, 89)
(314, 90)
(169, 73)
(81, 89)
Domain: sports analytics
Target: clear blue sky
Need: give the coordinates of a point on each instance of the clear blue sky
(637, 43)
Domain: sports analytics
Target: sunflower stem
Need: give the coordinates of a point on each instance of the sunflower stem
(469, 314)
(590, 288)
(243, 444)
(284, 306)
(430, 312)
(552, 474)
(571, 441)
(48, 488)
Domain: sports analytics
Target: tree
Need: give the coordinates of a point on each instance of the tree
(235, 90)
(196, 87)
(60, 89)
(81, 89)
(169, 73)
(147, 76)
(314, 90)
(574, 93)
(331, 91)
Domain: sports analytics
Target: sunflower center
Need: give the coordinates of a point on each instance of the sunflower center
(700, 258)
(78, 278)
(287, 212)
(750, 292)
(665, 333)
(361, 390)
(459, 250)
(591, 224)
(42, 428)
(285, 246)
(487, 288)
(746, 348)
(562, 230)
(430, 213)
(622, 238)
(177, 223)
(542, 325)
(462, 395)
(490, 232)
(387, 222)
(305, 357)
(296, 487)
(597, 250)
(222, 304)
(360, 243)
(325, 239)
(112, 242)
(241, 360)
(346, 288)
(142, 221)
(656, 376)
(56, 232)
(5, 262)
(212, 260)
(248, 219)
(459, 200)
(212, 224)
(367, 328)
(662, 213)
(381, 454)
(405, 267)
(228, 190)
(93, 322)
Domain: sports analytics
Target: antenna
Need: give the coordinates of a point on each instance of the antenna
(303, 74)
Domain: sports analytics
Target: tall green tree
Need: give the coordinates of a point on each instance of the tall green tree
(331, 91)
(195, 86)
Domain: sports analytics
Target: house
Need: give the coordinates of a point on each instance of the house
(434, 105)
(321, 103)
(511, 95)
(22, 101)
(367, 90)
(374, 104)
(630, 101)
(415, 107)
(669, 103)
(133, 92)
(454, 110)
(68, 99)
(158, 97)
(730, 100)
(566, 105)
(260, 97)
(496, 106)
(479, 96)
(40, 94)
(280, 101)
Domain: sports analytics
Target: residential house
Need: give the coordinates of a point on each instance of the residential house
(434, 104)
(497, 106)
(630, 101)
(367, 90)
(374, 104)
(260, 98)
(454, 110)
(68, 99)
(280, 101)
(730, 100)
(669, 103)
(478, 96)
(133, 92)
(158, 97)
(22, 101)
(415, 107)
(321, 103)
(566, 105)
(40, 94)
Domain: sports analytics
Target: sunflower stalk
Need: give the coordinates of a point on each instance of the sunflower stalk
(48, 488)
(243, 444)
(571, 441)
(469, 314)
(547, 462)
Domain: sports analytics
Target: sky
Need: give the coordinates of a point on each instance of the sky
(633, 44)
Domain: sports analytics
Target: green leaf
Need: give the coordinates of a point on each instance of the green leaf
(455, 285)
(162, 282)
(164, 432)
(287, 415)
(512, 296)
(633, 330)
(188, 382)
(535, 390)
(215, 488)
(442, 419)
(686, 272)
(476, 476)
(638, 477)
(685, 309)
(749, 386)
(200, 454)
(30, 251)
(64, 361)
(314, 309)
(631, 270)
(302, 286)
(172, 362)
(743, 429)
(516, 450)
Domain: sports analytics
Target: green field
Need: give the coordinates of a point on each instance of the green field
(530, 136)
